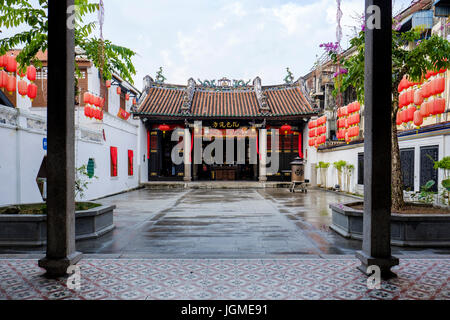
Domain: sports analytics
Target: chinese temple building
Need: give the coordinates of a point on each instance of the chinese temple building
(227, 110)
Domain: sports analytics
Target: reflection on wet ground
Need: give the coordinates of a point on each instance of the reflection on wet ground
(223, 223)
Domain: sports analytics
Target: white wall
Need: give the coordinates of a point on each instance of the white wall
(21, 135)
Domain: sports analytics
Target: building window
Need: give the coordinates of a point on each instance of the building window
(361, 168)
(130, 163)
(407, 163)
(113, 161)
(428, 155)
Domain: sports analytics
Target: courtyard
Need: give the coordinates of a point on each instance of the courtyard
(222, 223)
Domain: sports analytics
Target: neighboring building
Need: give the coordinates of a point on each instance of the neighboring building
(417, 146)
(108, 147)
(247, 109)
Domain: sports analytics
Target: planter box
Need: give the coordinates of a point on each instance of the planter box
(31, 230)
(407, 230)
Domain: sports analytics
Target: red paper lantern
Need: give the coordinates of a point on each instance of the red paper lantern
(312, 133)
(164, 128)
(439, 85)
(20, 73)
(119, 91)
(87, 98)
(87, 111)
(399, 120)
(108, 83)
(22, 88)
(11, 64)
(32, 91)
(134, 101)
(2, 61)
(31, 73)
(410, 114)
(11, 84)
(3, 79)
(418, 98)
(418, 119)
(127, 96)
(439, 106)
(286, 129)
(97, 101)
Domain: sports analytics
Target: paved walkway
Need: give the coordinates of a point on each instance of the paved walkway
(200, 223)
(260, 279)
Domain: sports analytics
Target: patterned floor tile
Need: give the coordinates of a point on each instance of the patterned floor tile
(226, 279)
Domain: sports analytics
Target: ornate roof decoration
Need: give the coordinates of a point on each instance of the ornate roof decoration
(224, 83)
(289, 79)
(262, 98)
(160, 78)
(189, 95)
(225, 101)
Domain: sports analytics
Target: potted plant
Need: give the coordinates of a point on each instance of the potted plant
(25, 224)
(444, 164)
(323, 169)
(348, 171)
(339, 166)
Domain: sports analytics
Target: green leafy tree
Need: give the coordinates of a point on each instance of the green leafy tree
(106, 56)
(411, 55)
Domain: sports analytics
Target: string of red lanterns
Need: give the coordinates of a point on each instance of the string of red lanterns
(348, 122)
(93, 106)
(8, 80)
(317, 132)
(420, 100)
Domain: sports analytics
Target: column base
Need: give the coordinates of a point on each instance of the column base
(385, 264)
(58, 267)
(262, 179)
(187, 179)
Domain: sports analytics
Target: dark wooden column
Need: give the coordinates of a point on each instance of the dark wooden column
(61, 251)
(377, 141)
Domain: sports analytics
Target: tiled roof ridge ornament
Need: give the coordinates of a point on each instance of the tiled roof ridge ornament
(188, 96)
(261, 96)
(289, 79)
(301, 82)
(224, 83)
(148, 81)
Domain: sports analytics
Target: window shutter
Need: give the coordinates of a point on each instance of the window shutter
(114, 161)
(130, 162)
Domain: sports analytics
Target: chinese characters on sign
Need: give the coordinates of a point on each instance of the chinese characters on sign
(226, 125)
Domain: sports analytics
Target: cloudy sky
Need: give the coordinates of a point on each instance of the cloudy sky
(238, 39)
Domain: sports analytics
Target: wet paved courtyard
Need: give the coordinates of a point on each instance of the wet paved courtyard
(209, 223)
(224, 244)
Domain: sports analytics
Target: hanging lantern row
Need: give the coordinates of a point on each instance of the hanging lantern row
(317, 132)
(93, 112)
(9, 64)
(93, 106)
(418, 101)
(348, 122)
(8, 79)
(10, 84)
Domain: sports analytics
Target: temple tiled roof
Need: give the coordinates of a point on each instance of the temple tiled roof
(198, 101)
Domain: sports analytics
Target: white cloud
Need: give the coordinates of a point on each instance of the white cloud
(236, 8)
